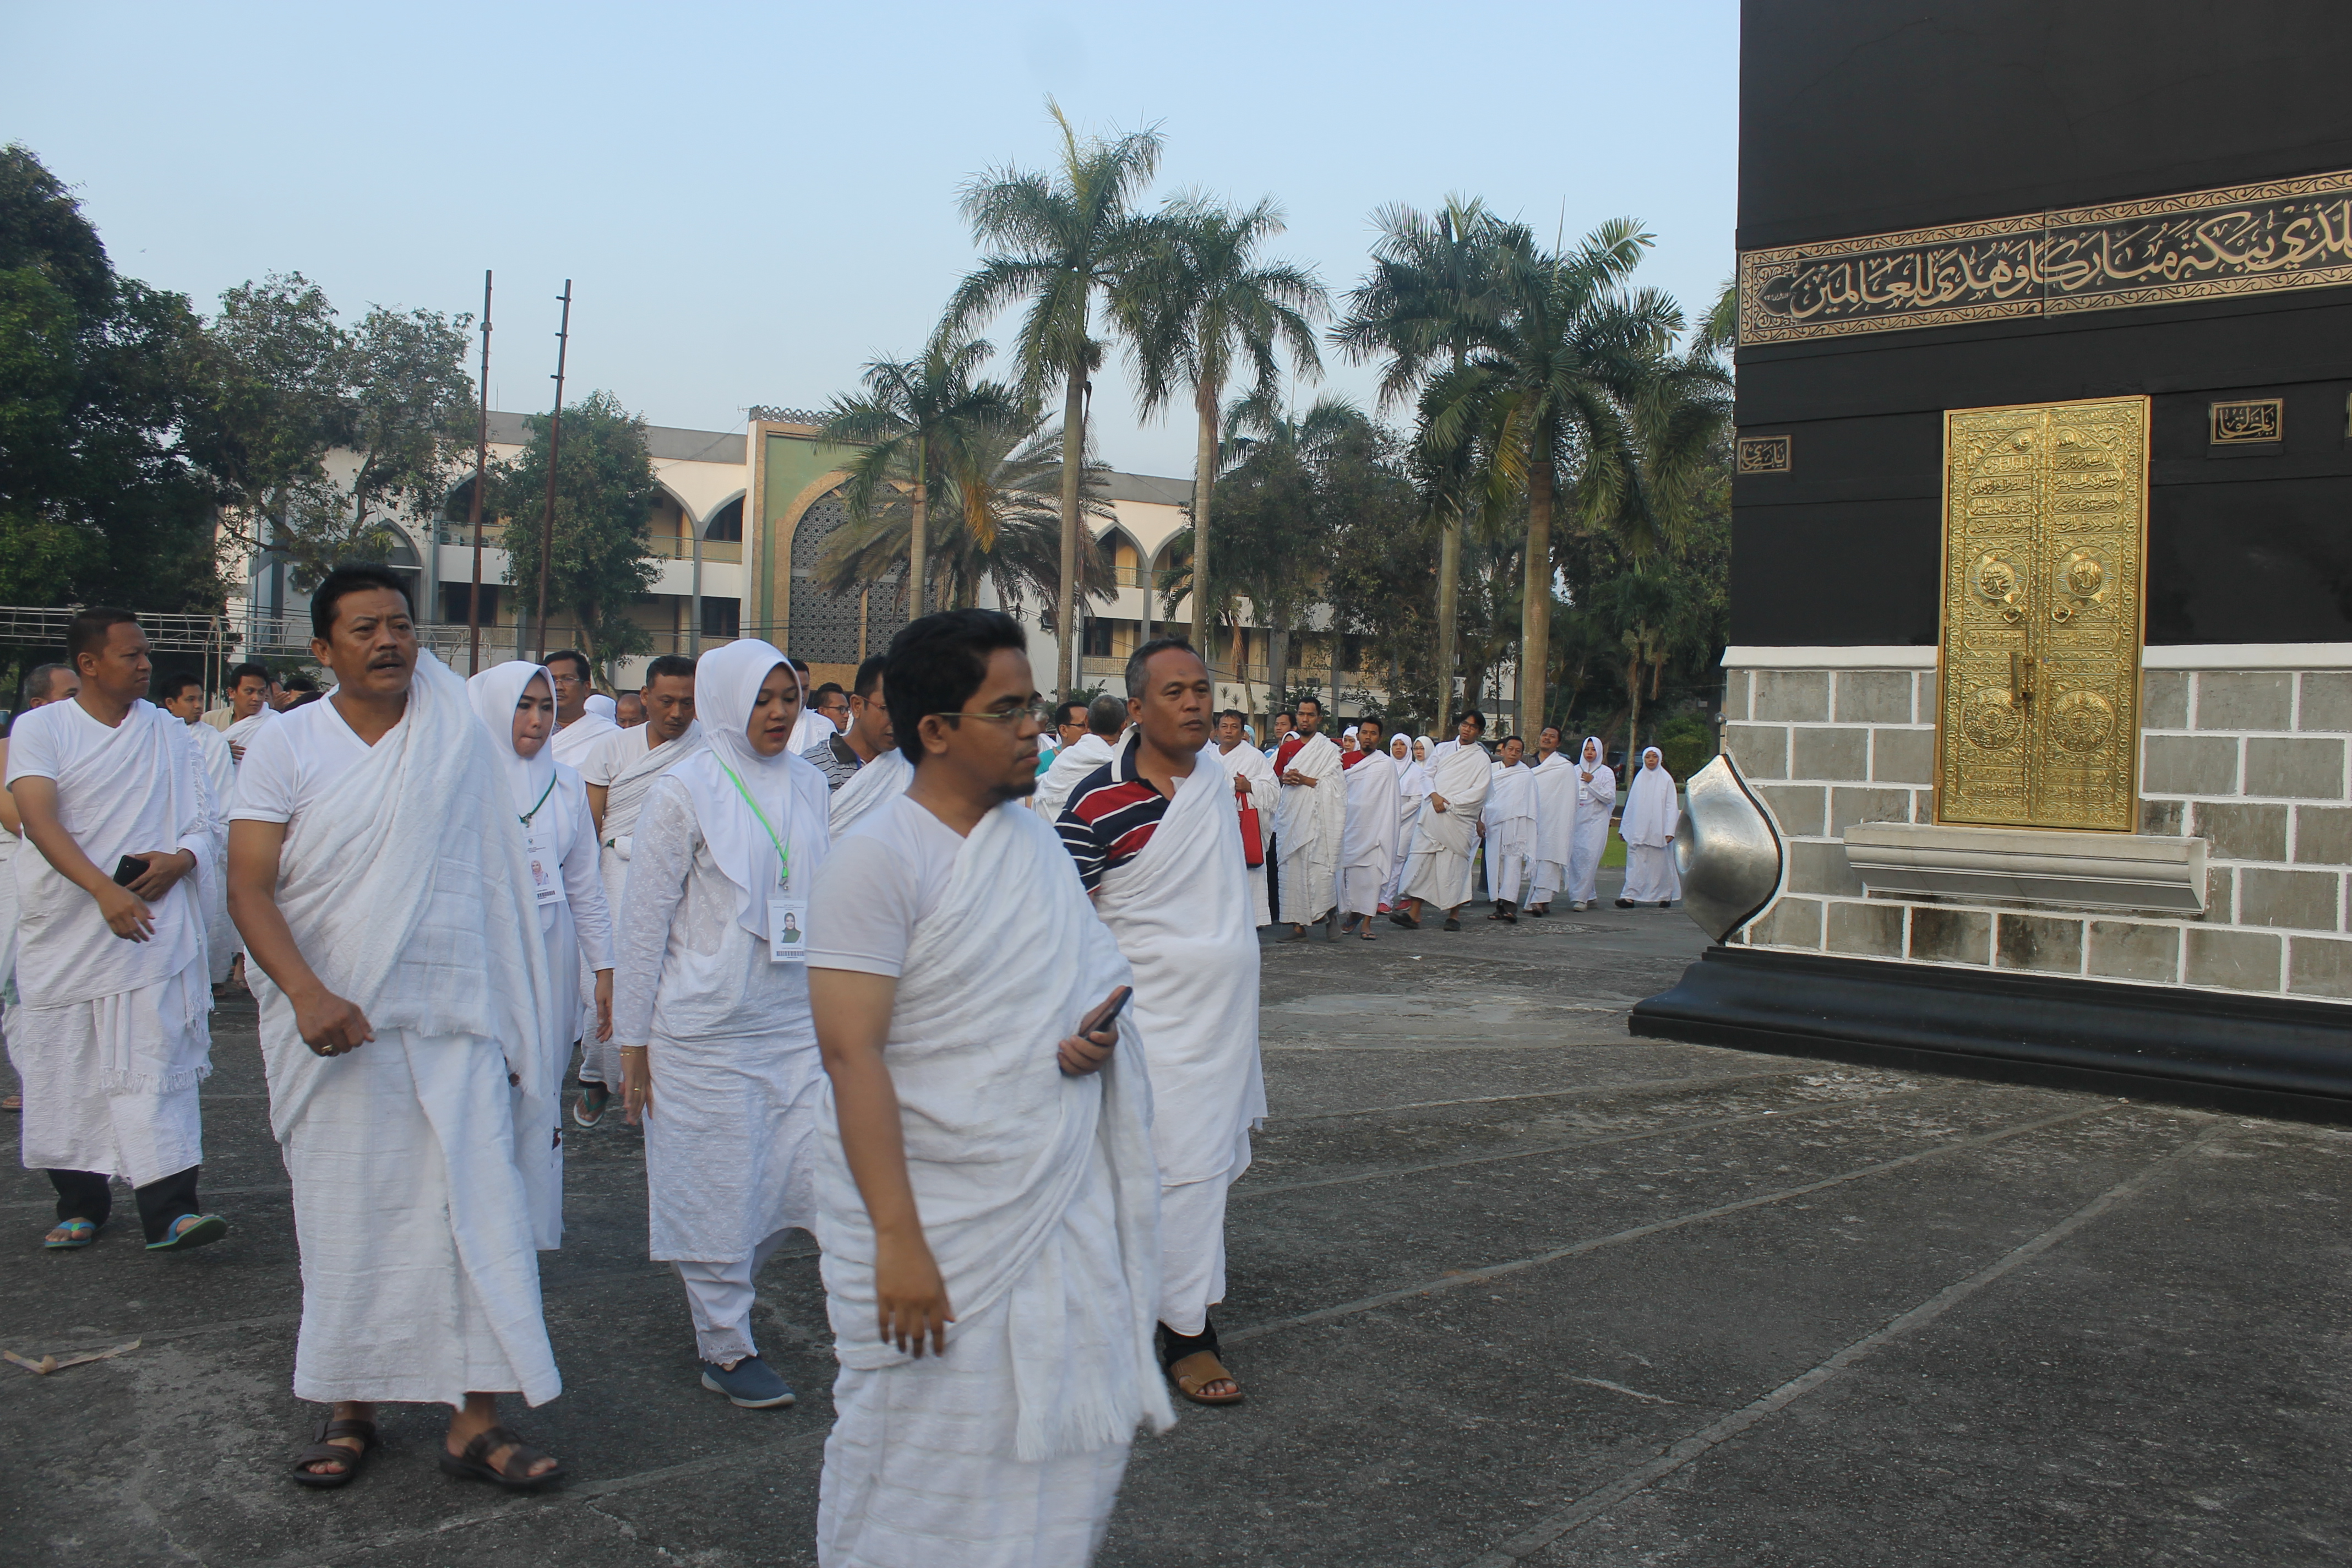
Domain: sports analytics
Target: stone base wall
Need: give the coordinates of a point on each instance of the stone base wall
(2254, 761)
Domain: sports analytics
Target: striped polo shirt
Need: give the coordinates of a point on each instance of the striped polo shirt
(1110, 817)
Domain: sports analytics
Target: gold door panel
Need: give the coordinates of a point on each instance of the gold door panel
(2045, 525)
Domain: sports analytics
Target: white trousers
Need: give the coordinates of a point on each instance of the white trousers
(1360, 888)
(1551, 876)
(1192, 1252)
(72, 1122)
(720, 1296)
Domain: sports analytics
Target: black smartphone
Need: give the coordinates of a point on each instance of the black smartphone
(129, 869)
(1108, 1013)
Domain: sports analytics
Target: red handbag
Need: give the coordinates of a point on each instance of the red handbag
(1253, 846)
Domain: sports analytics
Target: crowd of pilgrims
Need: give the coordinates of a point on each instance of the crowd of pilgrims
(977, 1013)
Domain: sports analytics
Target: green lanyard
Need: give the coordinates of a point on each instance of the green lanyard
(784, 855)
(526, 817)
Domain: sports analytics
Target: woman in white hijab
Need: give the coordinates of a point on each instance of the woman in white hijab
(1596, 803)
(1412, 787)
(719, 1056)
(1651, 814)
(516, 703)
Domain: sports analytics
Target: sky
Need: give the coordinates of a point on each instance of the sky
(752, 202)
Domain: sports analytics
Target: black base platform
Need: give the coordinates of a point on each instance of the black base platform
(2268, 1055)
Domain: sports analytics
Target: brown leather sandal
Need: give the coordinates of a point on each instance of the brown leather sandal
(1195, 1371)
(326, 1451)
(474, 1464)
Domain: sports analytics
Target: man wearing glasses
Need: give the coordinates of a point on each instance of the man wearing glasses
(577, 730)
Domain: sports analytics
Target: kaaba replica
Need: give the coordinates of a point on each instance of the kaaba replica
(2042, 583)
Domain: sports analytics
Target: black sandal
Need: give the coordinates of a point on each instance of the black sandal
(324, 1451)
(1398, 918)
(474, 1464)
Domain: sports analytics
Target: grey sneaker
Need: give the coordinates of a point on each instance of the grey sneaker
(750, 1384)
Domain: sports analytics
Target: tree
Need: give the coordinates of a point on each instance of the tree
(1208, 307)
(1431, 291)
(923, 421)
(605, 492)
(997, 522)
(1063, 240)
(100, 498)
(1551, 389)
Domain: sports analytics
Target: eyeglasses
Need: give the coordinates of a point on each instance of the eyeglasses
(1037, 712)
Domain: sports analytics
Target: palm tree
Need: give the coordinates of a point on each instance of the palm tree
(996, 522)
(1561, 380)
(1062, 239)
(1207, 306)
(1431, 291)
(921, 420)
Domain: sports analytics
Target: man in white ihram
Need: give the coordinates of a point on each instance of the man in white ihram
(378, 876)
(1255, 787)
(44, 684)
(1106, 716)
(1309, 822)
(988, 1200)
(1438, 868)
(112, 1039)
(1368, 850)
(584, 717)
(1507, 824)
(184, 699)
(1555, 783)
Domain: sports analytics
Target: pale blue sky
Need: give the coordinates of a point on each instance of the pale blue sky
(753, 200)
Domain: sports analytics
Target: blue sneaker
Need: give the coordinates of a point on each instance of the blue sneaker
(750, 1384)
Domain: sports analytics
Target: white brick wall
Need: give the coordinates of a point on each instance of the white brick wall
(2258, 762)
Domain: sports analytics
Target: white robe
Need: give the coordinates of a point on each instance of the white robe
(1072, 763)
(1651, 813)
(1309, 822)
(241, 731)
(1509, 818)
(111, 1037)
(220, 771)
(1555, 847)
(1412, 788)
(1596, 803)
(1182, 915)
(402, 878)
(626, 763)
(1039, 1196)
(1367, 845)
(1438, 868)
(884, 779)
(574, 742)
(1246, 761)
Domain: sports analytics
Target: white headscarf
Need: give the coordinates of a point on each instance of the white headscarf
(604, 706)
(726, 682)
(1600, 758)
(1412, 777)
(1650, 807)
(496, 693)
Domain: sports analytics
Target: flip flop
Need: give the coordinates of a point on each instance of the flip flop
(79, 1233)
(322, 1451)
(208, 1228)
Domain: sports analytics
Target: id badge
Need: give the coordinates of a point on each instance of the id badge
(787, 929)
(546, 872)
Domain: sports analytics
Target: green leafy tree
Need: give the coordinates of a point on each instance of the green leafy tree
(601, 561)
(922, 423)
(100, 497)
(1208, 310)
(1062, 241)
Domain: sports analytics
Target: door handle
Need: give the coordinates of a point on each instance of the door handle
(2021, 677)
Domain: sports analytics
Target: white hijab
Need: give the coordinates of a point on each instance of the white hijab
(605, 707)
(1650, 807)
(726, 682)
(495, 692)
(1413, 778)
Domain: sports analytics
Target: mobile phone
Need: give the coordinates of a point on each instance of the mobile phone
(129, 869)
(1108, 1013)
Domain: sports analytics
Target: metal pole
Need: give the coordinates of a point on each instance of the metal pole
(694, 632)
(555, 446)
(474, 507)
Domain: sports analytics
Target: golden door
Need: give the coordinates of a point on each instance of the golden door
(2045, 530)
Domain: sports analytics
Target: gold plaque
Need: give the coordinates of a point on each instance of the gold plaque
(2249, 422)
(2046, 527)
(1763, 455)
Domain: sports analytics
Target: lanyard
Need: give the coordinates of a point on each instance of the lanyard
(783, 855)
(526, 817)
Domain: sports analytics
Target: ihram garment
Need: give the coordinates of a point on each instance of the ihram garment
(886, 776)
(1509, 818)
(1554, 782)
(731, 1047)
(1246, 761)
(1309, 821)
(1438, 867)
(1367, 843)
(219, 765)
(112, 1037)
(1038, 1194)
(403, 880)
(626, 765)
(1412, 788)
(1651, 813)
(574, 923)
(1071, 764)
(1596, 803)
(573, 744)
(1179, 906)
(240, 734)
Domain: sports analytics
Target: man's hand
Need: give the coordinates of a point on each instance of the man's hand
(1295, 777)
(603, 1004)
(331, 1026)
(1437, 800)
(164, 866)
(910, 1299)
(636, 1084)
(1241, 785)
(235, 752)
(1082, 1054)
(1482, 829)
(126, 914)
